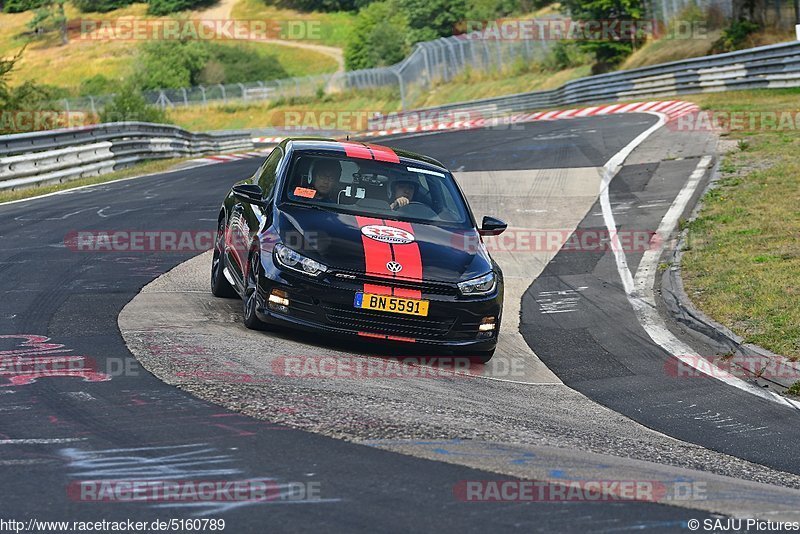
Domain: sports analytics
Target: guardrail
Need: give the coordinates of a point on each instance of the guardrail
(54, 156)
(755, 68)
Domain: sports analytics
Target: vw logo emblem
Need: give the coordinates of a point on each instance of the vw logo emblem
(394, 267)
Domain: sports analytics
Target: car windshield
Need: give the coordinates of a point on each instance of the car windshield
(376, 189)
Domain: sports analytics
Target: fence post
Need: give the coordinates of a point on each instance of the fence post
(402, 89)
(203, 92)
(224, 95)
(453, 55)
(185, 98)
(162, 100)
(428, 61)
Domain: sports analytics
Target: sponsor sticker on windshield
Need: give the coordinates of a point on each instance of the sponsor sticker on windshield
(304, 192)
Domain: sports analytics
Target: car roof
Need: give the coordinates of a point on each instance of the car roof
(322, 144)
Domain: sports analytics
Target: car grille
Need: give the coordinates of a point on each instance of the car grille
(356, 281)
(387, 323)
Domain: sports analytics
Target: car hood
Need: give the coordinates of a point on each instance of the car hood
(362, 244)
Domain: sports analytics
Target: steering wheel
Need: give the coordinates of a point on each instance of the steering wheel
(425, 210)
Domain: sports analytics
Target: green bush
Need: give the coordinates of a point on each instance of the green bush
(18, 6)
(100, 6)
(175, 65)
(98, 85)
(239, 64)
(129, 105)
(321, 5)
(734, 37)
(165, 7)
(431, 19)
(378, 37)
(565, 55)
(484, 10)
(171, 64)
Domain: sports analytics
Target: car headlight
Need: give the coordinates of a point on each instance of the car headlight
(295, 261)
(478, 286)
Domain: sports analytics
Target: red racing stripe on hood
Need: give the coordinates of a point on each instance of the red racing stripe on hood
(409, 257)
(376, 253)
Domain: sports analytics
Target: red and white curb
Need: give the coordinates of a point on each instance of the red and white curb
(267, 140)
(672, 109)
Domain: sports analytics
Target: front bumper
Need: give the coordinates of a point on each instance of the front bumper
(327, 306)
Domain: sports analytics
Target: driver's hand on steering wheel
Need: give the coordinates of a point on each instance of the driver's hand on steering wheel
(399, 203)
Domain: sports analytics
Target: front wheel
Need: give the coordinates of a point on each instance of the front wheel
(482, 356)
(220, 287)
(485, 356)
(251, 320)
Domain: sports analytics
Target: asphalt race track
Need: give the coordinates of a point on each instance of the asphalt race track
(75, 405)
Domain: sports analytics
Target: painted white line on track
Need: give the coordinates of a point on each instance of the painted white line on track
(639, 290)
(37, 441)
(610, 169)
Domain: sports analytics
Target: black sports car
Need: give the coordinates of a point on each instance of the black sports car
(359, 239)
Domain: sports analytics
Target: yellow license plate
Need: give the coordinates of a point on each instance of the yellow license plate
(387, 303)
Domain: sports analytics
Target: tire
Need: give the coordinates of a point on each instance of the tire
(251, 320)
(479, 356)
(483, 356)
(220, 287)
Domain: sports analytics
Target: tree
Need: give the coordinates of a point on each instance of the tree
(385, 31)
(378, 38)
(431, 19)
(48, 17)
(608, 50)
(6, 66)
(170, 64)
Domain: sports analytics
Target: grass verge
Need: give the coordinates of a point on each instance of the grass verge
(147, 167)
(743, 264)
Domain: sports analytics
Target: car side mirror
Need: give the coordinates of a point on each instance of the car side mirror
(250, 193)
(492, 226)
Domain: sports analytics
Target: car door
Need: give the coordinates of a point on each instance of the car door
(246, 220)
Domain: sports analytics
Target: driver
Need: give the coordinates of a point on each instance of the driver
(324, 179)
(403, 192)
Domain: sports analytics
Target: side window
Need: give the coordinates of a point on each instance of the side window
(267, 179)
